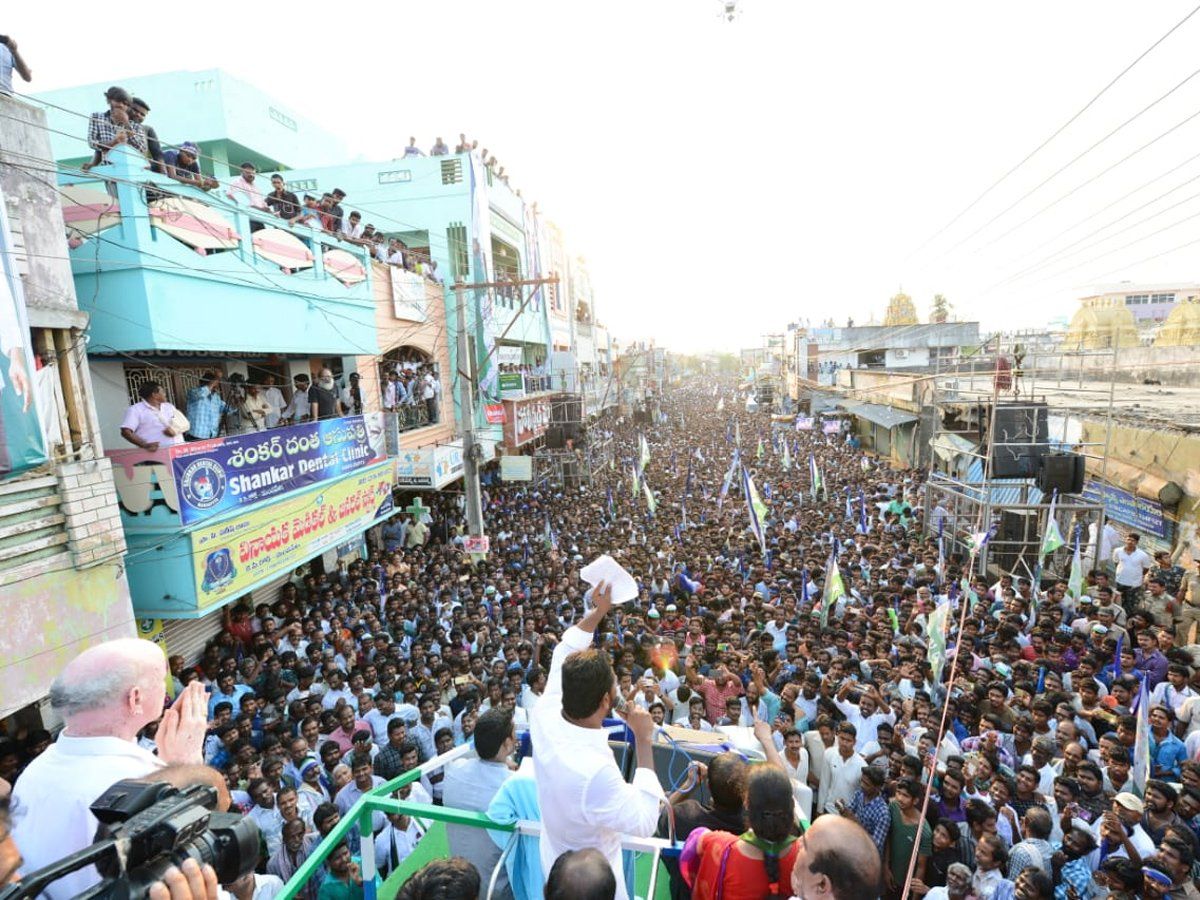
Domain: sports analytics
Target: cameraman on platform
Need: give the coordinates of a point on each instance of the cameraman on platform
(106, 695)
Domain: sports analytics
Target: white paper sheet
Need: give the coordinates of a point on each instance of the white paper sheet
(605, 568)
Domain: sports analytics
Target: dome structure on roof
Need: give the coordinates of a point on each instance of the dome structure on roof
(1096, 327)
(1181, 328)
(900, 311)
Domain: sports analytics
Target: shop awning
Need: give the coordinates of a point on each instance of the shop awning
(1132, 479)
(884, 416)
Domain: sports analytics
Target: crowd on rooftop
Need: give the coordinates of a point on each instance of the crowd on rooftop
(1028, 756)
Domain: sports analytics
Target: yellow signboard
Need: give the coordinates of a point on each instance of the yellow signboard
(233, 555)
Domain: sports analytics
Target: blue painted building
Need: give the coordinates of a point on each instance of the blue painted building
(456, 212)
(191, 282)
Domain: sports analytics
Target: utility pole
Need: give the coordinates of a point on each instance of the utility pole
(466, 396)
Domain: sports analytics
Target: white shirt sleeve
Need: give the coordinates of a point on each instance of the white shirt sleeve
(627, 808)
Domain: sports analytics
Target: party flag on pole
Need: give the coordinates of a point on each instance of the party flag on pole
(804, 585)
(787, 456)
(937, 640)
(862, 513)
(637, 484)
(612, 509)
(814, 475)
(733, 465)
(756, 508)
(721, 404)
(645, 454)
(895, 620)
(1075, 579)
(833, 590)
(1053, 538)
(651, 503)
(1140, 771)
(551, 538)
(737, 433)
(760, 448)
(849, 510)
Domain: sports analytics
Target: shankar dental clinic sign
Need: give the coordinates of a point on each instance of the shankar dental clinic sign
(227, 473)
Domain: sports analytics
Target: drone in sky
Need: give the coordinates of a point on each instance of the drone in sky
(729, 10)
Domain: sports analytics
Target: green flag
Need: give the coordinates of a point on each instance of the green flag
(937, 640)
(1053, 538)
(637, 487)
(1075, 579)
(833, 590)
(645, 452)
(760, 448)
(651, 503)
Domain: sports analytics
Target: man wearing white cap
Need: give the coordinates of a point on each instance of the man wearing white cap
(1119, 832)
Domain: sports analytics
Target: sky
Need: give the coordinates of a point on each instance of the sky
(725, 178)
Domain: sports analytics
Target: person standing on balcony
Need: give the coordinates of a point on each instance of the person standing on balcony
(255, 410)
(274, 398)
(112, 127)
(299, 409)
(430, 389)
(138, 110)
(244, 188)
(281, 201)
(147, 424)
(336, 214)
(183, 165)
(439, 148)
(351, 398)
(10, 59)
(322, 399)
(205, 408)
(412, 149)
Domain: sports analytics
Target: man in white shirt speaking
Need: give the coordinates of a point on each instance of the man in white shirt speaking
(583, 798)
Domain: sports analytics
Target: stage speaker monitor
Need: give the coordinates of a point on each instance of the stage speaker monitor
(1062, 472)
(1016, 535)
(554, 437)
(1020, 439)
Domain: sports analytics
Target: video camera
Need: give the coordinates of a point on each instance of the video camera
(145, 828)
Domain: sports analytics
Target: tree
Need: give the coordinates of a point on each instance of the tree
(940, 311)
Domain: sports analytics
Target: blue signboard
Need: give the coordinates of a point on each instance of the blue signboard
(227, 473)
(1139, 513)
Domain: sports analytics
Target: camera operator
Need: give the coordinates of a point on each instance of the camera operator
(106, 695)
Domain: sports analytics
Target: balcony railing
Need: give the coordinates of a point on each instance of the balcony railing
(250, 276)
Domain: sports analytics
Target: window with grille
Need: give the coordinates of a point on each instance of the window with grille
(1162, 298)
(452, 172)
(460, 258)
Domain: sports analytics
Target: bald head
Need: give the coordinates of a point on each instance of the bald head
(837, 859)
(111, 688)
(581, 875)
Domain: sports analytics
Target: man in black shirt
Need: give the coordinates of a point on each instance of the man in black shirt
(335, 210)
(322, 397)
(282, 202)
(138, 110)
(726, 777)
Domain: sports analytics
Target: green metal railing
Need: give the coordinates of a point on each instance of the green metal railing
(380, 799)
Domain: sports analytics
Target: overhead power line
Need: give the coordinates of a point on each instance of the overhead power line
(995, 184)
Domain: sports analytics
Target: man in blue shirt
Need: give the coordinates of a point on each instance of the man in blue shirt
(228, 689)
(204, 408)
(1167, 751)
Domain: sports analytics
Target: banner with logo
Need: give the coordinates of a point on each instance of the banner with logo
(231, 557)
(226, 473)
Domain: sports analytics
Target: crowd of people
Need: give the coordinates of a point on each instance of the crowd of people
(1003, 766)
(217, 406)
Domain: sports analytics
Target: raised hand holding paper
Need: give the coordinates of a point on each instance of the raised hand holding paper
(605, 568)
